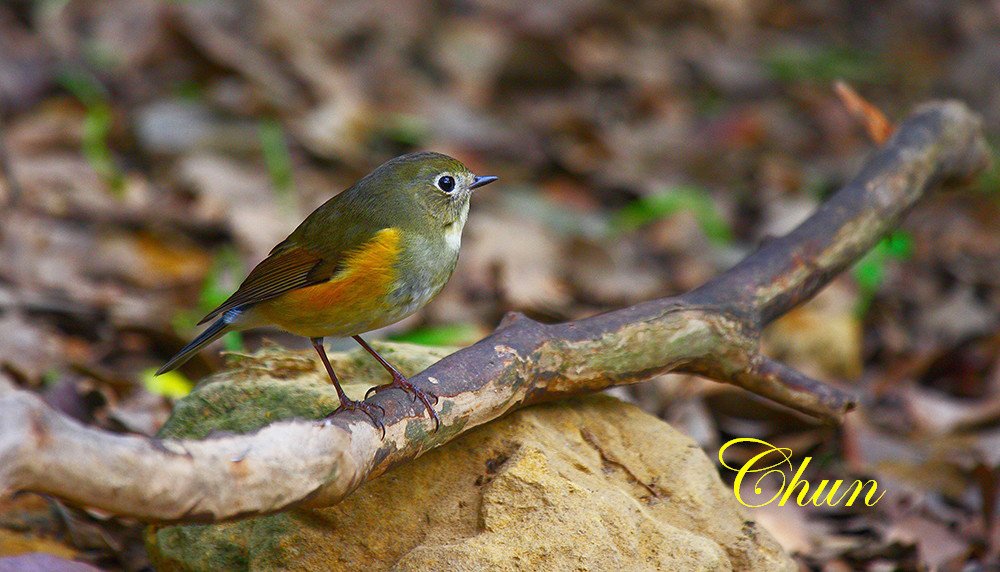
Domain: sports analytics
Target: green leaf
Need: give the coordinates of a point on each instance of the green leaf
(989, 181)
(97, 124)
(407, 130)
(189, 91)
(278, 160)
(172, 384)
(822, 64)
(214, 291)
(899, 245)
(50, 377)
(460, 334)
(668, 202)
(869, 272)
(233, 342)
(83, 86)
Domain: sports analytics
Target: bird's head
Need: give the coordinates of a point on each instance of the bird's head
(437, 186)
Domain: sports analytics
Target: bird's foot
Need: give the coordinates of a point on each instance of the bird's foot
(400, 382)
(368, 409)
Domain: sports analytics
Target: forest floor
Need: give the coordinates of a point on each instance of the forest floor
(153, 152)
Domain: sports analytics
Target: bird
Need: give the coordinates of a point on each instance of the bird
(366, 258)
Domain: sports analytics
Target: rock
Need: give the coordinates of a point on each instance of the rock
(275, 384)
(585, 484)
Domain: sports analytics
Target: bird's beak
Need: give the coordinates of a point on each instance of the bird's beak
(482, 181)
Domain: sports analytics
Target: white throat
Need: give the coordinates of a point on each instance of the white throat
(453, 233)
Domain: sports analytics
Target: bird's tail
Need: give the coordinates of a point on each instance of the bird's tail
(214, 332)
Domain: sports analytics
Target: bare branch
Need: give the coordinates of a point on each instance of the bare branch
(939, 142)
(713, 331)
(777, 381)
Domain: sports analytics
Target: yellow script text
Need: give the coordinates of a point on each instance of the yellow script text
(772, 463)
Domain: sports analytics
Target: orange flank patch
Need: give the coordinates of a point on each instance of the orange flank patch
(351, 302)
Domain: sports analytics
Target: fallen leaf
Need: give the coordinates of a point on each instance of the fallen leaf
(879, 128)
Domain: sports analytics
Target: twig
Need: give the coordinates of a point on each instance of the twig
(713, 331)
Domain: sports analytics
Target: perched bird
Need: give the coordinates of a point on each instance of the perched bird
(368, 257)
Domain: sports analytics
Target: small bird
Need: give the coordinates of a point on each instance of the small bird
(366, 258)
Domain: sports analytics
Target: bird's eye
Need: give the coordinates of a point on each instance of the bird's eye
(446, 183)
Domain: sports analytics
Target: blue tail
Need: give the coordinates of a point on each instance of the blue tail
(214, 332)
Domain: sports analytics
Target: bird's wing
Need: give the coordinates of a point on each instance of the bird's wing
(288, 267)
(313, 253)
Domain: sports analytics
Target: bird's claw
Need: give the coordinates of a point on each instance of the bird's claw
(364, 407)
(415, 392)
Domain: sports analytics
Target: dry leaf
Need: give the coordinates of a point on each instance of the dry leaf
(878, 127)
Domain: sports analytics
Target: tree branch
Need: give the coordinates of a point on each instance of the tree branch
(711, 331)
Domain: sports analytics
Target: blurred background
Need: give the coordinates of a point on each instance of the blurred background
(153, 151)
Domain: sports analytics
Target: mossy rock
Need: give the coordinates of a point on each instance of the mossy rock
(276, 384)
(588, 483)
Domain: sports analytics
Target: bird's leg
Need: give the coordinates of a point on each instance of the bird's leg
(346, 403)
(400, 381)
